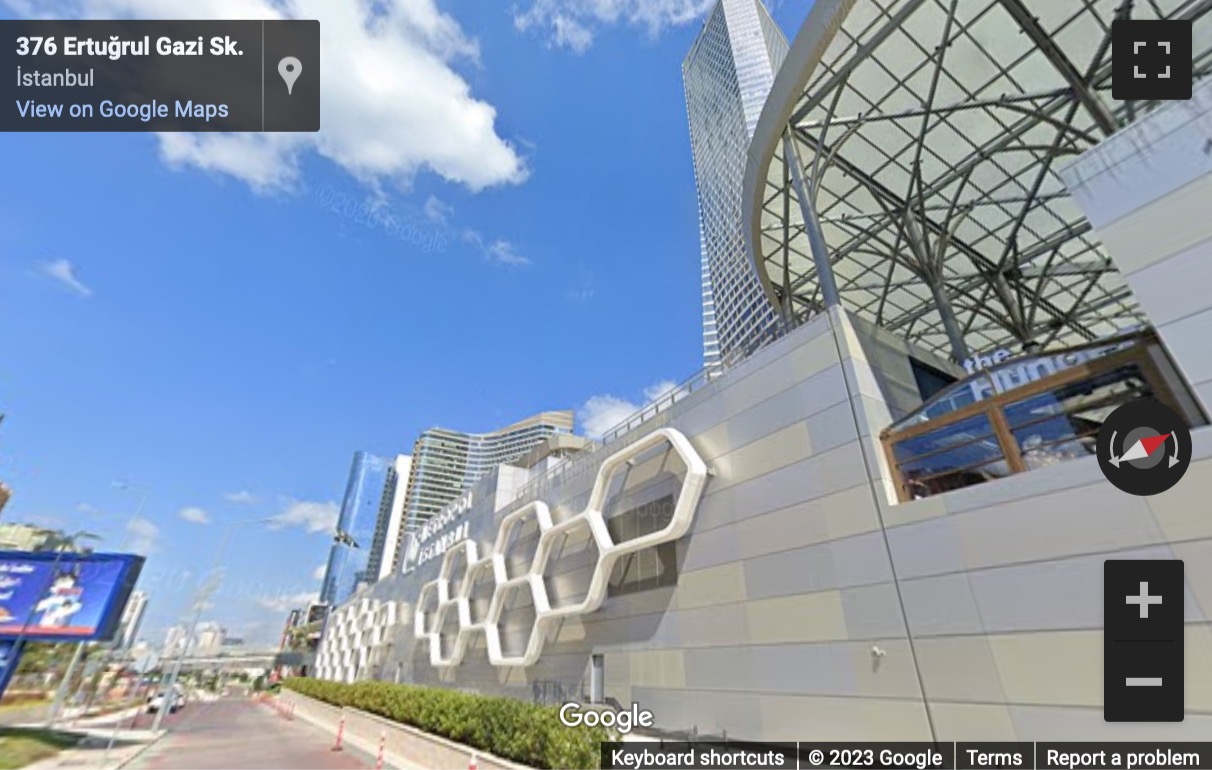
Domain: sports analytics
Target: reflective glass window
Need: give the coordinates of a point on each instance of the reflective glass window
(955, 455)
(1063, 423)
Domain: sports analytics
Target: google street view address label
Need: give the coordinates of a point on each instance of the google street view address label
(159, 75)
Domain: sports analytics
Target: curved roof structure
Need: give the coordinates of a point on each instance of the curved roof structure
(928, 134)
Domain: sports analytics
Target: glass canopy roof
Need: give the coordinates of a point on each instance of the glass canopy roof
(929, 133)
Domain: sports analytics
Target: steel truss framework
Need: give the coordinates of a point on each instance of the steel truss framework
(929, 133)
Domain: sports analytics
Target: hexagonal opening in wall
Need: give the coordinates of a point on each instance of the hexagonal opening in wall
(455, 570)
(642, 514)
(654, 473)
(474, 647)
(517, 619)
(427, 607)
(650, 568)
(570, 566)
(569, 508)
(644, 570)
(448, 629)
(481, 586)
(519, 541)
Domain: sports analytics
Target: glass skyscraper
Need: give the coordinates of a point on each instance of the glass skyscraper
(446, 463)
(727, 76)
(348, 561)
(390, 519)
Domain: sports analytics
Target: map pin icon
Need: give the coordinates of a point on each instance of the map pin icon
(290, 68)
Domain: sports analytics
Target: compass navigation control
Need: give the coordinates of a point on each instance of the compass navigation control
(1144, 447)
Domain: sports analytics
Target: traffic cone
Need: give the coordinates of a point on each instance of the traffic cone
(472, 765)
(382, 744)
(340, 734)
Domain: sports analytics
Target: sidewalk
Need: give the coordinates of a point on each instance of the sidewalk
(90, 753)
(98, 720)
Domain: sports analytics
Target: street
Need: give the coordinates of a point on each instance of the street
(236, 732)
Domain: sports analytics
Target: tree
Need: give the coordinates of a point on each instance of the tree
(45, 658)
(56, 540)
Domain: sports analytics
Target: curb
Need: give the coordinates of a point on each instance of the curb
(135, 755)
(368, 746)
(55, 762)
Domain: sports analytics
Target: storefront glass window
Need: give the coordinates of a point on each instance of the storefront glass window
(1025, 414)
(1063, 424)
(955, 455)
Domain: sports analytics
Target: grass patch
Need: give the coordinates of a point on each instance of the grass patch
(20, 747)
(22, 702)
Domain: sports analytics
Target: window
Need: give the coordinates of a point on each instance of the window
(1063, 424)
(954, 455)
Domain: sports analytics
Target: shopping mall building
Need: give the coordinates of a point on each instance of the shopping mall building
(888, 520)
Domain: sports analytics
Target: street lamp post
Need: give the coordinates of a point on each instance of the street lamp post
(61, 693)
(61, 544)
(205, 591)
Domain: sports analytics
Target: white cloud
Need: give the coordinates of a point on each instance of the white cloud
(436, 210)
(63, 272)
(658, 389)
(503, 252)
(572, 23)
(143, 536)
(393, 104)
(284, 603)
(570, 33)
(243, 497)
(498, 252)
(318, 572)
(309, 515)
(194, 515)
(87, 508)
(603, 412)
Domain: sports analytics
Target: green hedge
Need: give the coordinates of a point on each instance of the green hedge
(512, 729)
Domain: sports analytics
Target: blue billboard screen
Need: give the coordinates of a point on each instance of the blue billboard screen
(68, 596)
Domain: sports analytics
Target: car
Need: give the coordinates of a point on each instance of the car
(176, 700)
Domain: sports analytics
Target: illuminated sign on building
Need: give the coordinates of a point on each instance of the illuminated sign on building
(1001, 377)
(445, 517)
(438, 534)
(442, 543)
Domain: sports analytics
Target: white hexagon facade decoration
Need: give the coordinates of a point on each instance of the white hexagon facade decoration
(356, 636)
(429, 594)
(452, 591)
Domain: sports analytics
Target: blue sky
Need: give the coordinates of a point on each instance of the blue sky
(498, 218)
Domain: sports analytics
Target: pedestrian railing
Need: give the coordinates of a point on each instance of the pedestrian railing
(651, 416)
